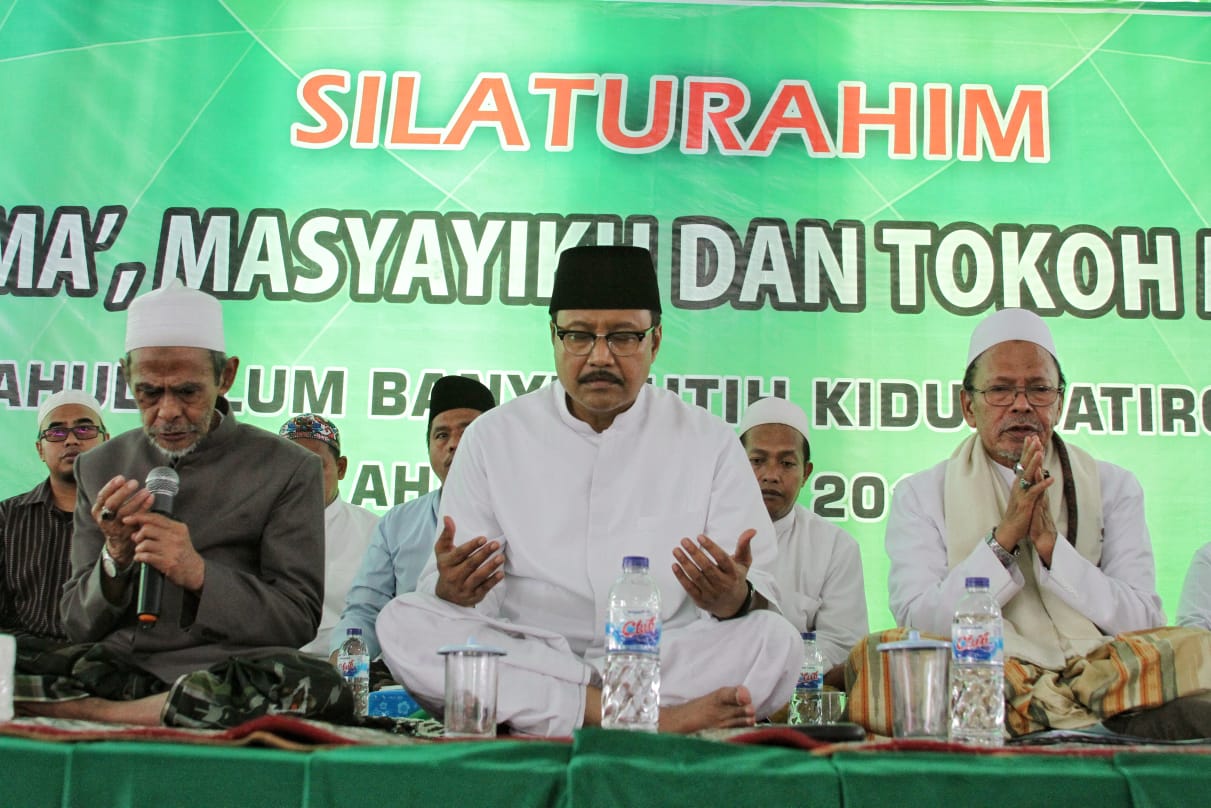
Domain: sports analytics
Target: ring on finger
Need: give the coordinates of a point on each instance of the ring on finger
(1018, 469)
(1024, 484)
(106, 514)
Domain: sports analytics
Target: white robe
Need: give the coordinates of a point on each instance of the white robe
(820, 577)
(1117, 595)
(1194, 608)
(568, 503)
(347, 532)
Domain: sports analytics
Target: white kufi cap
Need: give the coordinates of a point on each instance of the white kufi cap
(774, 410)
(63, 397)
(1010, 324)
(175, 316)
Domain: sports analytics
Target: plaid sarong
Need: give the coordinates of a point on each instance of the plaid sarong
(1138, 670)
(275, 681)
(1135, 671)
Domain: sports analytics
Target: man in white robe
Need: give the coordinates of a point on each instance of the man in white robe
(819, 568)
(1059, 535)
(1194, 606)
(556, 487)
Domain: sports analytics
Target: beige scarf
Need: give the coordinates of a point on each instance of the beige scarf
(1039, 627)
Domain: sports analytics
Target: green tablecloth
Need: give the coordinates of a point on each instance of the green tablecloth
(597, 768)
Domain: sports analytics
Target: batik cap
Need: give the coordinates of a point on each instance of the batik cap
(605, 277)
(315, 427)
(774, 410)
(1010, 324)
(175, 316)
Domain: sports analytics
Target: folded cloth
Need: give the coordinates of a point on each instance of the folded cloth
(1136, 671)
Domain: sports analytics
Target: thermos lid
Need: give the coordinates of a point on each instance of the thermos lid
(472, 648)
(913, 643)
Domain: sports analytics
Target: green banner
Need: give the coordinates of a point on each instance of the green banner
(835, 193)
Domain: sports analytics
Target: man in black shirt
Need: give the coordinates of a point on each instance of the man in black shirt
(36, 527)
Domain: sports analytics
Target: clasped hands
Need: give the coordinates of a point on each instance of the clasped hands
(1028, 513)
(716, 581)
(133, 533)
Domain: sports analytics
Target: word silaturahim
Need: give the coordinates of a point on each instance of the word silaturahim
(697, 113)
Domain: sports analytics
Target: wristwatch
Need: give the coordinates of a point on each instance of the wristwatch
(1006, 557)
(110, 564)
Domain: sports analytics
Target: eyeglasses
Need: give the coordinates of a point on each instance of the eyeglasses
(1002, 395)
(58, 434)
(620, 343)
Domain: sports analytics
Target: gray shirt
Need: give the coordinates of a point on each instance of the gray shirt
(254, 505)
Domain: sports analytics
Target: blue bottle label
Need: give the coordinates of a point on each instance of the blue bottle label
(976, 644)
(353, 666)
(640, 635)
(810, 680)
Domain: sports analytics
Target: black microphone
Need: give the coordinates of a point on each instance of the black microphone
(163, 483)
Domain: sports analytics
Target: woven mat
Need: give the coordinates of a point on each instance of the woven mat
(1073, 744)
(301, 734)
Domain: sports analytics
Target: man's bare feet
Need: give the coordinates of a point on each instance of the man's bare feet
(726, 707)
(144, 711)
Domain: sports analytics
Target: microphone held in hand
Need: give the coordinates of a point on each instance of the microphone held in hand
(163, 483)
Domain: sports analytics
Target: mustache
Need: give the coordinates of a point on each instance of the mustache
(599, 376)
(186, 428)
(1030, 423)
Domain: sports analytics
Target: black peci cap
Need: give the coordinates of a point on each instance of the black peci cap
(457, 392)
(605, 277)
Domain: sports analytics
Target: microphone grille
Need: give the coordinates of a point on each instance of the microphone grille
(163, 480)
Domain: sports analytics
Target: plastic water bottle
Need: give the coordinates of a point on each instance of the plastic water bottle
(8, 657)
(630, 693)
(805, 704)
(977, 675)
(353, 660)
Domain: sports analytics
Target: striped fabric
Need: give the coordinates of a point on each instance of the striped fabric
(1135, 671)
(35, 559)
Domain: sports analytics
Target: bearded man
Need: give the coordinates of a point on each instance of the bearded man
(241, 551)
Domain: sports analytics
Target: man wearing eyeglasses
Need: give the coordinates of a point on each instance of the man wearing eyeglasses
(552, 489)
(35, 527)
(1060, 536)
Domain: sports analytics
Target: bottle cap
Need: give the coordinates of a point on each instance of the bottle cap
(631, 562)
(808, 635)
(353, 632)
(977, 583)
